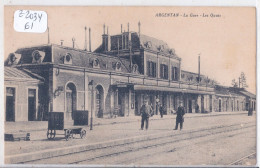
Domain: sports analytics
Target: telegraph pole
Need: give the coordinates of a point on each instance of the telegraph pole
(199, 68)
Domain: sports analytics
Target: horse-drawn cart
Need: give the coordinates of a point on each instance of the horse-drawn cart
(56, 122)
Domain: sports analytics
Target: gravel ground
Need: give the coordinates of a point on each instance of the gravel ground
(218, 149)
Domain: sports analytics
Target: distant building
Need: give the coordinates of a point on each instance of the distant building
(124, 70)
(21, 89)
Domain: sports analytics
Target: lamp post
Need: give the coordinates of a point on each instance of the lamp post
(91, 83)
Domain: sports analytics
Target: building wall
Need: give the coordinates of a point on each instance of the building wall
(229, 104)
(21, 98)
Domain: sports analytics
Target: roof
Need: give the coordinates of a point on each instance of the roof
(245, 92)
(224, 91)
(155, 44)
(14, 73)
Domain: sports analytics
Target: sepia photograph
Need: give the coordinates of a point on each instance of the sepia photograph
(130, 86)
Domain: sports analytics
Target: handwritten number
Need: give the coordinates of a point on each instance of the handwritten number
(28, 26)
(27, 13)
(40, 17)
(35, 16)
(21, 13)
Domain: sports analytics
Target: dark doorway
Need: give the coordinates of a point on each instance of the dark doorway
(210, 103)
(70, 100)
(190, 106)
(10, 104)
(99, 101)
(136, 104)
(31, 104)
(219, 105)
(164, 103)
(202, 104)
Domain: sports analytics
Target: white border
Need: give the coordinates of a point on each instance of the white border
(133, 2)
(248, 3)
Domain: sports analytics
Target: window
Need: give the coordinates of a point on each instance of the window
(118, 66)
(37, 56)
(67, 59)
(151, 69)
(164, 71)
(174, 73)
(10, 104)
(96, 63)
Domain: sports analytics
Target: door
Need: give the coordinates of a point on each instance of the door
(219, 105)
(190, 106)
(71, 99)
(210, 103)
(202, 104)
(10, 104)
(31, 104)
(136, 104)
(121, 103)
(99, 101)
(69, 105)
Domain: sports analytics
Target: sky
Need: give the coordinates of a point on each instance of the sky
(226, 44)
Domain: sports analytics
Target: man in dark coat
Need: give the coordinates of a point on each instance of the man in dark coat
(161, 109)
(180, 118)
(146, 112)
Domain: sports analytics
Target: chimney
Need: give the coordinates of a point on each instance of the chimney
(122, 37)
(48, 35)
(104, 29)
(118, 46)
(125, 40)
(61, 42)
(139, 28)
(90, 39)
(108, 41)
(86, 39)
(73, 42)
(127, 27)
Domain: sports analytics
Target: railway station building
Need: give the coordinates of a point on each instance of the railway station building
(113, 80)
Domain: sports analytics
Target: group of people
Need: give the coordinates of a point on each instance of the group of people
(147, 112)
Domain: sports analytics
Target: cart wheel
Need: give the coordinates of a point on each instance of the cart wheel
(49, 134)
(67, 135)
(83, 134)
(54, 134)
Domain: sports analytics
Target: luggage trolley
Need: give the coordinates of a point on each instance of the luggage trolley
(56, 122)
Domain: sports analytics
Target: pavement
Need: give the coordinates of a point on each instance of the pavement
(32, 126)
(105, 132)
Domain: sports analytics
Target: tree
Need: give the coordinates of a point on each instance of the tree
(242, 80)
(234, 83)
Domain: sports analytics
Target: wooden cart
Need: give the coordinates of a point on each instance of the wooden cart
(56, 122)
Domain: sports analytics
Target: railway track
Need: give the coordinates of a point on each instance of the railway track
(131, 150)
(245, 160)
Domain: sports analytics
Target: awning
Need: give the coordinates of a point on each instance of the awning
(169, 89)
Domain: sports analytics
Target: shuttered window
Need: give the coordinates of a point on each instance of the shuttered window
(164, 71)
(174, 73)
(151, 69)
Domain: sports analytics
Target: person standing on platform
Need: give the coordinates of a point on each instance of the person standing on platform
(180, 117)
(146, 112)
(161, 109)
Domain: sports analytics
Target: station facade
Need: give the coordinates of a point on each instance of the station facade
(114, 79)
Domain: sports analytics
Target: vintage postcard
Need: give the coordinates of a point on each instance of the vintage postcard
(130, 86)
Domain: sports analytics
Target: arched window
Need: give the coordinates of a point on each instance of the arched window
(67, 59)
(96, 63)
(37, 56)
